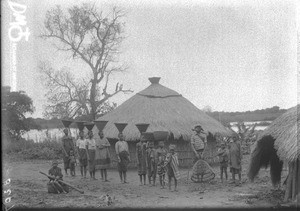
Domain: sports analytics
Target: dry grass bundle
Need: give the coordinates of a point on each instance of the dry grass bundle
(279, 142)
(285, 131)
(264, 155)
(165, 110)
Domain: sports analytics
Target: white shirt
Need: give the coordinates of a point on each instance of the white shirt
(81, 143)
(91, 143)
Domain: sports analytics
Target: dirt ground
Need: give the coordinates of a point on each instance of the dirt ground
(28, 189)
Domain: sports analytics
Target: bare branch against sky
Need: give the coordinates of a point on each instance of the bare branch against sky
(233, 56)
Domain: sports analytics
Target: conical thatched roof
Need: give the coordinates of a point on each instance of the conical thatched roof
(164, 109)
(285, 131)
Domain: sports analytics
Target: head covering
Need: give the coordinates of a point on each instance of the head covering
(172, 147)
(198, 126)
(54, 162)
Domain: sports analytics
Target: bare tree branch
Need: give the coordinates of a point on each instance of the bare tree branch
(93, 38)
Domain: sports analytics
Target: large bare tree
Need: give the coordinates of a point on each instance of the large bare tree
(86, 34)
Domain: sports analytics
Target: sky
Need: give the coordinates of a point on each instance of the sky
(229, 55)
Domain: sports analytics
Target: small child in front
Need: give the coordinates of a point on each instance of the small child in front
(172, 165)
(72, 163)
(223, 159)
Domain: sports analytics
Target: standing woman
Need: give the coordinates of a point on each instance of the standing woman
(82, 152)
(141, 155)
(122, 152)
(102, 157)
(68, 145)
(91, 148)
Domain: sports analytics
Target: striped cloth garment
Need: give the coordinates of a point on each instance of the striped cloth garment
(173, 160)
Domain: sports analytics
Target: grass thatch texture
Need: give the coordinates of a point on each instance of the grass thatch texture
(285, 131)
(263, 155)
(163, 109)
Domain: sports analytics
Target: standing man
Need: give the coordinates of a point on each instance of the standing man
(198, 142)
(122, 152)
(235, 159)
(68, 145)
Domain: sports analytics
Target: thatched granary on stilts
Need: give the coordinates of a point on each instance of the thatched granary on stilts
(165, 110)
(277, 144)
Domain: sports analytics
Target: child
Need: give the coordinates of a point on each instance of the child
(223, 159)
(141, 154)
(161, 156)
(151, 165)
(54, 186)
(172, 164)
(72, 163)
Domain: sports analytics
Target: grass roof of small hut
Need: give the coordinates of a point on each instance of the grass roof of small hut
(285, 131)
(279, 142)
(164, 109)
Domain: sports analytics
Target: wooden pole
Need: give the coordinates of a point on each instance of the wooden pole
(298, 179)
(288, 184)
(294, 193)
(63, 182)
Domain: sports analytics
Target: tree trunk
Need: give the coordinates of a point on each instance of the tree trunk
(92, 99)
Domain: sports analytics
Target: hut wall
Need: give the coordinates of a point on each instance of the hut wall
(293, 183)
(183, 149)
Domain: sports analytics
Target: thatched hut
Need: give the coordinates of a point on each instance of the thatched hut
(165, 110)
(277, 144)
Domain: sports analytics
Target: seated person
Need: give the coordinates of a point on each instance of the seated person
(54, 186)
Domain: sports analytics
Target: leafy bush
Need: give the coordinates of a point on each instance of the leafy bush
(47, 150)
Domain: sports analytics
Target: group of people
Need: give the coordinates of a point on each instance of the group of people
(93, 155)
(153, 162)
(229, 153)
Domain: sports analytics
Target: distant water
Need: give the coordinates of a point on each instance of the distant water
(247, 124)
(57, 134)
